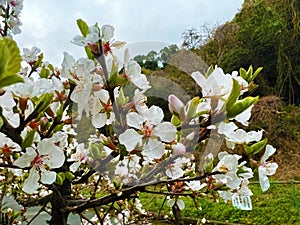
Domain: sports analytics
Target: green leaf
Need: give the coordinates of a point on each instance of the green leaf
(60, 178)
(1, 122)
(243, 74)
(257, 71)
(234, 95)
(10, 80)
(44, 101)
(256, 148)
(59, 127)
(175, 121)
(114, 78)
(10, 62)
(59, 112)
(250, 71)
(96, 150)
(191, 112)
(83, 27)
(121, 99)
(89, 53)
(38, 62)
(240, 106)
(51, 67)
(44, 73)
(209, 71)
(70, 176)
(28, 140)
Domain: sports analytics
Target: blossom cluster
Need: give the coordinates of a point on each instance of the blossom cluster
(11, 9)
(91, 117)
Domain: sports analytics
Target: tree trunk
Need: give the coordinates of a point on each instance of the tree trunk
(58, 202)
(177, 214)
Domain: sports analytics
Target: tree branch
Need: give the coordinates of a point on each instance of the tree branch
(81, 205)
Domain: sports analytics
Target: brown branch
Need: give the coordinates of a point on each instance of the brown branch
(35, 202)
(82, 205)
(168, 193)
(4, 165)
(10, 131)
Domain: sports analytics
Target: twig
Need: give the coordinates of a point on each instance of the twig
(38, 213)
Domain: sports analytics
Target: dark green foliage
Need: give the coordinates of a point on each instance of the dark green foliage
(264, 33)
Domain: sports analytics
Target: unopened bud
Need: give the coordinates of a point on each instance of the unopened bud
(23, 104)
(178, 149)
(96, 87)
(44, 122)
(176, 106)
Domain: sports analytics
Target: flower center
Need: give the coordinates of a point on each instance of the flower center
(223, 169)
(106, 47)
(6, 150)
(147, 130)
(38, 160)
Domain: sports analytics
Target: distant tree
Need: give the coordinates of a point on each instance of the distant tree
(157, 60)
(166, 54)
(193, 38)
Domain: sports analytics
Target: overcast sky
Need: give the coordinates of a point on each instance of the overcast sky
(51, 24)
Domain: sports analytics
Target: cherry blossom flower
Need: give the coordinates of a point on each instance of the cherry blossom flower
(242, 82)
(91, 38)
(217, 86)
(176, 106)
(31, 88)
(179, 202)
(31, 55)
(228, 165)
(7, 146)
(42, 159)
(7, 103)
(80, 156)
(238, 195)
(175, 170)
(128, 168)
(101, 109)
(133, 71)
(148, 126)
(196, 185)
(107, 34)
(17, 5)
(80, 71)
(234, 135)
(266, 169)
(178, 149)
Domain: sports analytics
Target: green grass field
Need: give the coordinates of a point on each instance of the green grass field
(279, 205)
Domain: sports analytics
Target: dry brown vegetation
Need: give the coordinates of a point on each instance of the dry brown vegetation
(282, 127)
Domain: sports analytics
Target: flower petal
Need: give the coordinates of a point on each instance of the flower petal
(74, 166)
(26, 159)
(130, 138)
(134, 120)
(99, 120)
(263, 179)
(154, 149)
(48, 177)
(154, 115)
(270, 150)
(165, 131)
(31, 183)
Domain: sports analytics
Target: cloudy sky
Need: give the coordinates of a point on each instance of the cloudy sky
(51, 24)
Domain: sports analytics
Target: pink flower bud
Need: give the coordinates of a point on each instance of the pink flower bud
(176, 107)
(178, 149)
